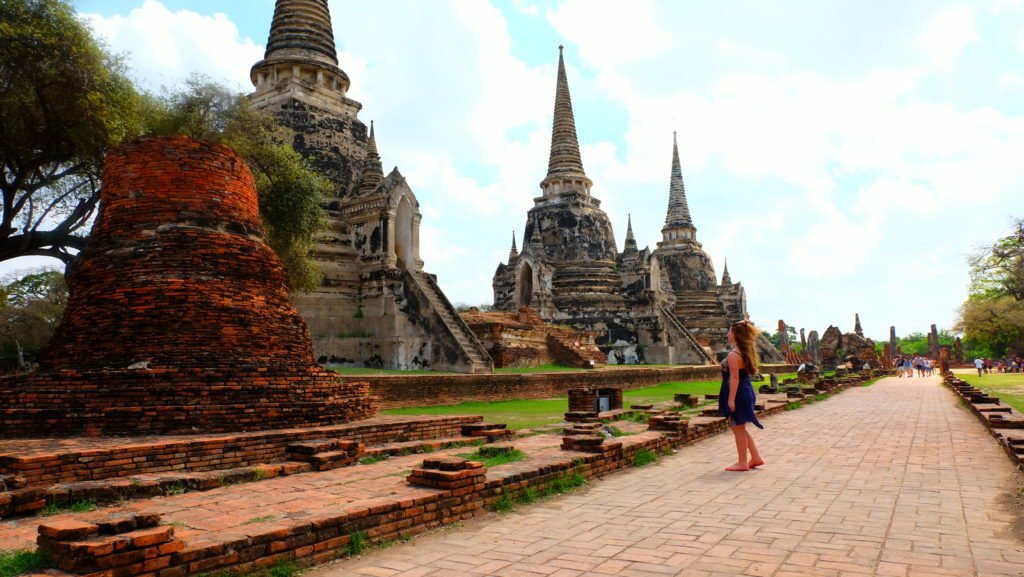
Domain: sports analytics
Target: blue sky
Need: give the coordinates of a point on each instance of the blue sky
(844, 156)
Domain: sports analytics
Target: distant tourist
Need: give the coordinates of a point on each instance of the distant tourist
(979, 364)
(736, 398)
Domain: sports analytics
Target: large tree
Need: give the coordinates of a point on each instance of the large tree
(64, 101)
(992, 317)
(31, 307)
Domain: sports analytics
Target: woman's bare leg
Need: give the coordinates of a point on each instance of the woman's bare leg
(739, 433)
(755, 456)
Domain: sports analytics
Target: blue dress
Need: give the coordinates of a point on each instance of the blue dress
(745, 399)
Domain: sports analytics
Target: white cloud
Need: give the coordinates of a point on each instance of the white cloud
(608, 34)
(164, 47)
(947, 34)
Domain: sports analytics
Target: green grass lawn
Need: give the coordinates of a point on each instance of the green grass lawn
(530, 413)
(1009, 387)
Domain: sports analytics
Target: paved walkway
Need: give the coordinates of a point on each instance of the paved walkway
(894, 479)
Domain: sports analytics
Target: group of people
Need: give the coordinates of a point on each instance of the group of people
(906, 366)
(1007, 365)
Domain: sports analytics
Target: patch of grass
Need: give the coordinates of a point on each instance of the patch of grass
(617, 432)
(283, 569)
(558, 486)
(371, 459)
(21, 561)
(427, 448)
(84, 506)
(258, 474)
(637, 417)
(566, 484)
(260, 519)
(517, 414)
(667, 391)
(494, 456)
(643, 457)
(529, 495)
(174, 489)
(504, 504)
(357, 543)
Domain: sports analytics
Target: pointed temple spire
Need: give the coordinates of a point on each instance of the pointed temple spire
(678, 210)
(630, 239)
(726, 279)
(302, 28)
(514, 253)
(373, 173)
(857, 328)
(300, 48)
(536, 243)
(565, 157)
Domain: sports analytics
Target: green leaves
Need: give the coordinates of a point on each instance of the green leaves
(64, 101)
(290, 193)
(992, 317)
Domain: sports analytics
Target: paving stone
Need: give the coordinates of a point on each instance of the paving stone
(893, 479)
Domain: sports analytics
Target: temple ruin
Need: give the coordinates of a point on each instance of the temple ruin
(664, 306)
(376, 306)
(178, 317)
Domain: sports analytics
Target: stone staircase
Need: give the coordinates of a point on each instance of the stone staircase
(680, 334)
(703, 306)
(479, 360)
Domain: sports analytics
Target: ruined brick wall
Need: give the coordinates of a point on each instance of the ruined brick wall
(177, 270)
(422, 389)
(177, 277)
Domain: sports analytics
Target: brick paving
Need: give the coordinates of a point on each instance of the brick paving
(894, 480)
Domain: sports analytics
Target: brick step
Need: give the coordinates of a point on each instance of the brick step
(409, 447)
(45, 462)
(333, 460)
(472, 429)
(26, 501)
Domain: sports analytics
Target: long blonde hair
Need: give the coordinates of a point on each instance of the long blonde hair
(745, 334)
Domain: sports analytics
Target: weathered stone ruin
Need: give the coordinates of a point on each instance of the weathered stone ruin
(664, 306)
(178, 318)
(814, 348)
(523, 339)
(376, 306)
(837, 348)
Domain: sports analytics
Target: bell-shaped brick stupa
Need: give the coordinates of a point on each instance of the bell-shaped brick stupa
(178, 318)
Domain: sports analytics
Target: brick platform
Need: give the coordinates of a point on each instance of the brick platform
(311, 517)
(178, 318)
(43, 462)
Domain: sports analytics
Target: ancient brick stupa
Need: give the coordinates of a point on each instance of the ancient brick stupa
(178, 318)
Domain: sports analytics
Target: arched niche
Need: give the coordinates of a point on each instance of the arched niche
(404, 250)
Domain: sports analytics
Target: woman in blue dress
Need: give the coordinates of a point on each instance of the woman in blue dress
(736, 398)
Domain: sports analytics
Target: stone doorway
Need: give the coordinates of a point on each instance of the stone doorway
(525, 285)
